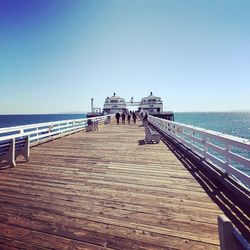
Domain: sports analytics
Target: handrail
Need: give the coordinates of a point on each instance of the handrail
(229, 235)
(229, 153)
(44, 131)
(240, 239)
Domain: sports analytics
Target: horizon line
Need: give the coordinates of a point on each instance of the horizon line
(84, 112)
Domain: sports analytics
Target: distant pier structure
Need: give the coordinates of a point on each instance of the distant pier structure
(151, 104)
(114, 104)
(94, 111)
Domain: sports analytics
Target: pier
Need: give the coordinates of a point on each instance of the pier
(108, 189)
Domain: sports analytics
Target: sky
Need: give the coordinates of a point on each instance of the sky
(56, 55)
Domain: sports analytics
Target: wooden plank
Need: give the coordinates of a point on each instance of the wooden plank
(13, 244)
(45, 240)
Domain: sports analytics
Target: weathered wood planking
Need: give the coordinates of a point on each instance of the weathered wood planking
(102, 190)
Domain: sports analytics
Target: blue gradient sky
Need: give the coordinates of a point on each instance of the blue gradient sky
(56, 55)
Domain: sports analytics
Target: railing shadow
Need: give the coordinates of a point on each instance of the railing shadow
(4, 165)
(142, 142)
(215, 184)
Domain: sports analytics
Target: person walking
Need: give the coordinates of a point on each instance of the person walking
(128, 118)
(123, 118)
(117, 117)
(134, 117)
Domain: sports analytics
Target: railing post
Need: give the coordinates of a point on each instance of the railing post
(192, 133)
(173, 130)
(26, 148)
(37, 134)
(59, 129)
(49, 127)
(21, 131)
(204, 142)
(227, 160)
(67, 126)
(11, 153)
(179, 133)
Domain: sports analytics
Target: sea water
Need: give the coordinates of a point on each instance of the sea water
(19, 120)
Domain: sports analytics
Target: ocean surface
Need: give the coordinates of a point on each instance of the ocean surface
(18, 120)
(233, 123)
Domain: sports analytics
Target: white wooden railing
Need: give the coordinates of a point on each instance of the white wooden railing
(229, 153)
(40, 132)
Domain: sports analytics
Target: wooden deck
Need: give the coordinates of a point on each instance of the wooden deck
(102, 190)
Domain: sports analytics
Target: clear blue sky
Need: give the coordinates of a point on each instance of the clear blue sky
(56, 55)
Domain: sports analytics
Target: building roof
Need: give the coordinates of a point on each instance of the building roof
(151, 96)
(114, 96)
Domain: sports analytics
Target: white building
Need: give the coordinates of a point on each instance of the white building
(151, 104)
(114, 104)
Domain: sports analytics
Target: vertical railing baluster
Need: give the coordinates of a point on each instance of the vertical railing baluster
(204, 142)
(227, 159)
(37, 133)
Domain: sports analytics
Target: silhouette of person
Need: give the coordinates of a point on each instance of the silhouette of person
(117, 117)
(128, 118)
(123, 118)
(134, 117)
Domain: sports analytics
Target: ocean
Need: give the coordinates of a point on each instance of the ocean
(18, 120)
(233, 123)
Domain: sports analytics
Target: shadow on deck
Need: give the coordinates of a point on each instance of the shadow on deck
(217, 188)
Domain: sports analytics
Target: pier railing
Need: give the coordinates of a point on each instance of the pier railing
(229, 153)
(41, 132)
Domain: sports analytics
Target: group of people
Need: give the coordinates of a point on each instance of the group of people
(129, 115)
